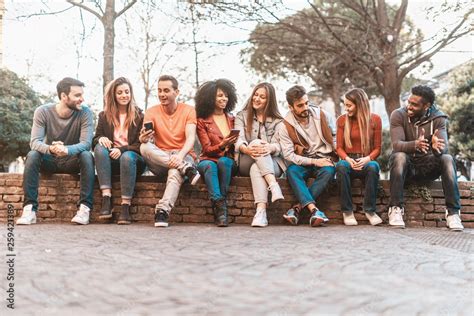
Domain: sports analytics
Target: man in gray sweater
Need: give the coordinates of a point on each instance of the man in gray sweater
(61, 138)
(420, 153)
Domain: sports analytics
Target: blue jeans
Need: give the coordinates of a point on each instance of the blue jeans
(298, 175)
(422, 169)
(217, 176)
(344, 174)
(129, 165)
(37, 162)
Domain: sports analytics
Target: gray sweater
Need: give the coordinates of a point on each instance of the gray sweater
(404, 131)
(75, 132)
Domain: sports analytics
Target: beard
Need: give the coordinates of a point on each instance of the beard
(303, 114)
(74, 106)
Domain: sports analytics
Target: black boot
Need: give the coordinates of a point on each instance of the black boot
(106, 211)
(125, 218)
(220, 213)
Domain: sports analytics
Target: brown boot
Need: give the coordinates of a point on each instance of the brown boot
(125, 218)
(220, 213)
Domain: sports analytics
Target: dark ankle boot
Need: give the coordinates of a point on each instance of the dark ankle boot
(106, 210)
(220, 213)
(125, 218)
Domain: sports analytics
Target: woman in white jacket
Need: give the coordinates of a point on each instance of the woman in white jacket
(259, 151)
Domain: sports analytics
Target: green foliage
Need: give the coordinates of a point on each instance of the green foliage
(458, 103)
(17, 104)
(386, 151)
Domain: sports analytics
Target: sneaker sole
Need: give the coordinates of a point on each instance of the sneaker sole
(105, 216)
(291, 220)
(79, 223)
(351, 224)
(456, 229)
(317, 222)
(161, 224)
(397, 226)
(259, 225)
(195, 179)
(32, 222)
(123, 223)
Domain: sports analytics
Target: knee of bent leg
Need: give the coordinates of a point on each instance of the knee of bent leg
(128, 157)
(373, 167)
(225, 162)
(398, 159)
(100, 150)
(327, 172)
(343, 167)
(447, 160)
(32, 157)
(145, 149)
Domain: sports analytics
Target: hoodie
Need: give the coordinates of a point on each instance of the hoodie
(404, 130)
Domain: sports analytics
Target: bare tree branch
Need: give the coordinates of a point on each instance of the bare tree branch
(83, 6)
(125, 8)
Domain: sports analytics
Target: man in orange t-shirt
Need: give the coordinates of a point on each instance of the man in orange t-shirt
(167, 146)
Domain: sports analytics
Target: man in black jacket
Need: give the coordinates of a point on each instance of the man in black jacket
(420, 152)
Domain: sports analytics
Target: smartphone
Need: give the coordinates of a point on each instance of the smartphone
(148, 125)
(234, 132)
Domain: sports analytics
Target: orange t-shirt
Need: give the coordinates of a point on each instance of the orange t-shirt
(170, 129)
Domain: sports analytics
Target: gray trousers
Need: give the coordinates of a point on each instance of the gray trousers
(257, 169)
(157, 160)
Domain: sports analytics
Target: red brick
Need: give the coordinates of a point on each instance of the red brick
(47, 198)
(50, 214)
(468, 224)
(197, 210)
(198, 218)
(11, 190)
(234, 211)
(414, 223)
(243, 204)
(12, 198)
(429, 223)
(243, 220)
(467, 217)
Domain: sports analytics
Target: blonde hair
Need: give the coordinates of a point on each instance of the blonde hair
(361, 101)
(111, 107)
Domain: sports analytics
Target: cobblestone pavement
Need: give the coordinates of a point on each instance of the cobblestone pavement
(201, 269)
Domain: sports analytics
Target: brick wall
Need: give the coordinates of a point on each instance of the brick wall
(59, 193)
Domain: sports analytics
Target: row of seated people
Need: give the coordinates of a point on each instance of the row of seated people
(257, 142)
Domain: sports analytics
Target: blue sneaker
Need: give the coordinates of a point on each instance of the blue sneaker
(292, 215)
(318, 218)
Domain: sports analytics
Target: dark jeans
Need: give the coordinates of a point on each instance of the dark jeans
(129, 165)
(298, 175)
(423, 169)
(344, 175)
(217, 176)
(37, 162)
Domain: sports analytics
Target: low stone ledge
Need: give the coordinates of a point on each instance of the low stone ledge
(58, 194)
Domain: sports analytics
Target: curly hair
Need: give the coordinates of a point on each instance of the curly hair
(425, 92)
(205, 98)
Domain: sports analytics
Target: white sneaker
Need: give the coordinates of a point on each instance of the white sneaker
(395, 216)
(260, 218)
(454, 222)
(373, 218)
(82, 215)
(276, 192)
(28, 216)
(349, 219)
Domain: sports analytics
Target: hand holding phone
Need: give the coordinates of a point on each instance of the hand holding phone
(234, 132)
(148, 126)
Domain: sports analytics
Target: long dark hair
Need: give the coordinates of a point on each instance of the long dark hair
(271, 108)
(205, 98)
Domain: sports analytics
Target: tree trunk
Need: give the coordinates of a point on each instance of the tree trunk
(108, 21)
(336, 98)
(392, 86)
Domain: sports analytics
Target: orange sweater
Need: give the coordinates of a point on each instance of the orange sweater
(375, 134)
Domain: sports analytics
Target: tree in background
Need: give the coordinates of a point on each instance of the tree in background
(458, 103)
(17, 104)
(382, 44)
(107, 16)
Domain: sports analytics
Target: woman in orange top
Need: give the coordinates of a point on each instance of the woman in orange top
(214, 102)
(359, 138)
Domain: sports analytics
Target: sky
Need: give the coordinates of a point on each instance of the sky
(45, 49)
